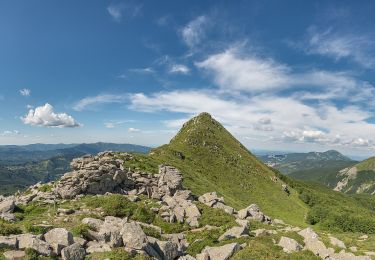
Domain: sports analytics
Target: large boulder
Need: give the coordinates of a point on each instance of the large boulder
(111, 231)
(40, 246)
(6, 209)
(8, 242)
(289, 245)
(93, 223)
(235, 232)
(167, 250)
(14, 255)
(221, 252)
(59, 238)
(73, 252)
(134, 237)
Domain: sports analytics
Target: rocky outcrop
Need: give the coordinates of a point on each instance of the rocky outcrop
(212, 200)
(95, 175)
(73, 252)
(7, 205)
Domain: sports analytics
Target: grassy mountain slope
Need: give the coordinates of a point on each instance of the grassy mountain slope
(296, 162)
(211, 159)
(326, 174)
(359, 178)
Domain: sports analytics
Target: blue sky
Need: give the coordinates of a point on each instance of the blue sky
(280, 75)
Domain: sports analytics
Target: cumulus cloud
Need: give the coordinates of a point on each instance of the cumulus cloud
(194, 32)
(25, 92)
(45, 116)
(179, 69)
(89, 102)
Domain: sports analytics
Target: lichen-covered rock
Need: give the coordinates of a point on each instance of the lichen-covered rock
(8, 242)
(73, 252)
(221, 252)
(14, 255)
(235, 232)
(289, 245)
(133, 236)
(59, 238)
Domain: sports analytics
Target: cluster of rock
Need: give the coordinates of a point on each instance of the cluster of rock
(36, 193)
(315, 245)
(212, 200)
(253, 212)
(7, 205)
(56, 242)
(115, 232)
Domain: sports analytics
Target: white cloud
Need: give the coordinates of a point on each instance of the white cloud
(257, 116)
(146, 70)
(109, 125)
(194, 32)
(179, 69)
(29, 106)
(88, 102)
(45, 116)
(118, 11)
(10, 133)
(25, 92)
(236, 70)
(336, 45)
(133, 130)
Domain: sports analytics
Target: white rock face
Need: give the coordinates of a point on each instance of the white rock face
(337, 242)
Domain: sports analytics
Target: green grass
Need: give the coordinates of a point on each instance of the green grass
(117, 254)
(7, 228)
(335, 211)
(263, 248)
(215, 217)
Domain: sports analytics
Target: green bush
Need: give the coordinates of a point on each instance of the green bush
(45, 188)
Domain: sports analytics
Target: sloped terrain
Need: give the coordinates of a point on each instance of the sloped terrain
(359, 178)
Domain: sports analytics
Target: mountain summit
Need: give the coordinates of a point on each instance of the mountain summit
(211, 159)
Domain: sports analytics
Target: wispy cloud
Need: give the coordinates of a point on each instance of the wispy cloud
(179, 69)
(119, 10)
(89, 102)
(46, 116)
(10, 133)
(339, 45)
(194, 32)
(25, 92)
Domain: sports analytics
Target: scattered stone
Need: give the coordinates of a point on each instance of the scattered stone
(278, 222)
(134, 237)
(73, 252)
(166, 249)
(14, 255)
(6, 209)
(212, 200)
(289, 245)
(65, 211)
(8, 242)
(235, 232)
(221, 252)
(80, 241)
(97, 247)
(58, 238)
(93, 223)
(337, 242)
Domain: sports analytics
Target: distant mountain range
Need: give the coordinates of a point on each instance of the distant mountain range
(21, 166)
